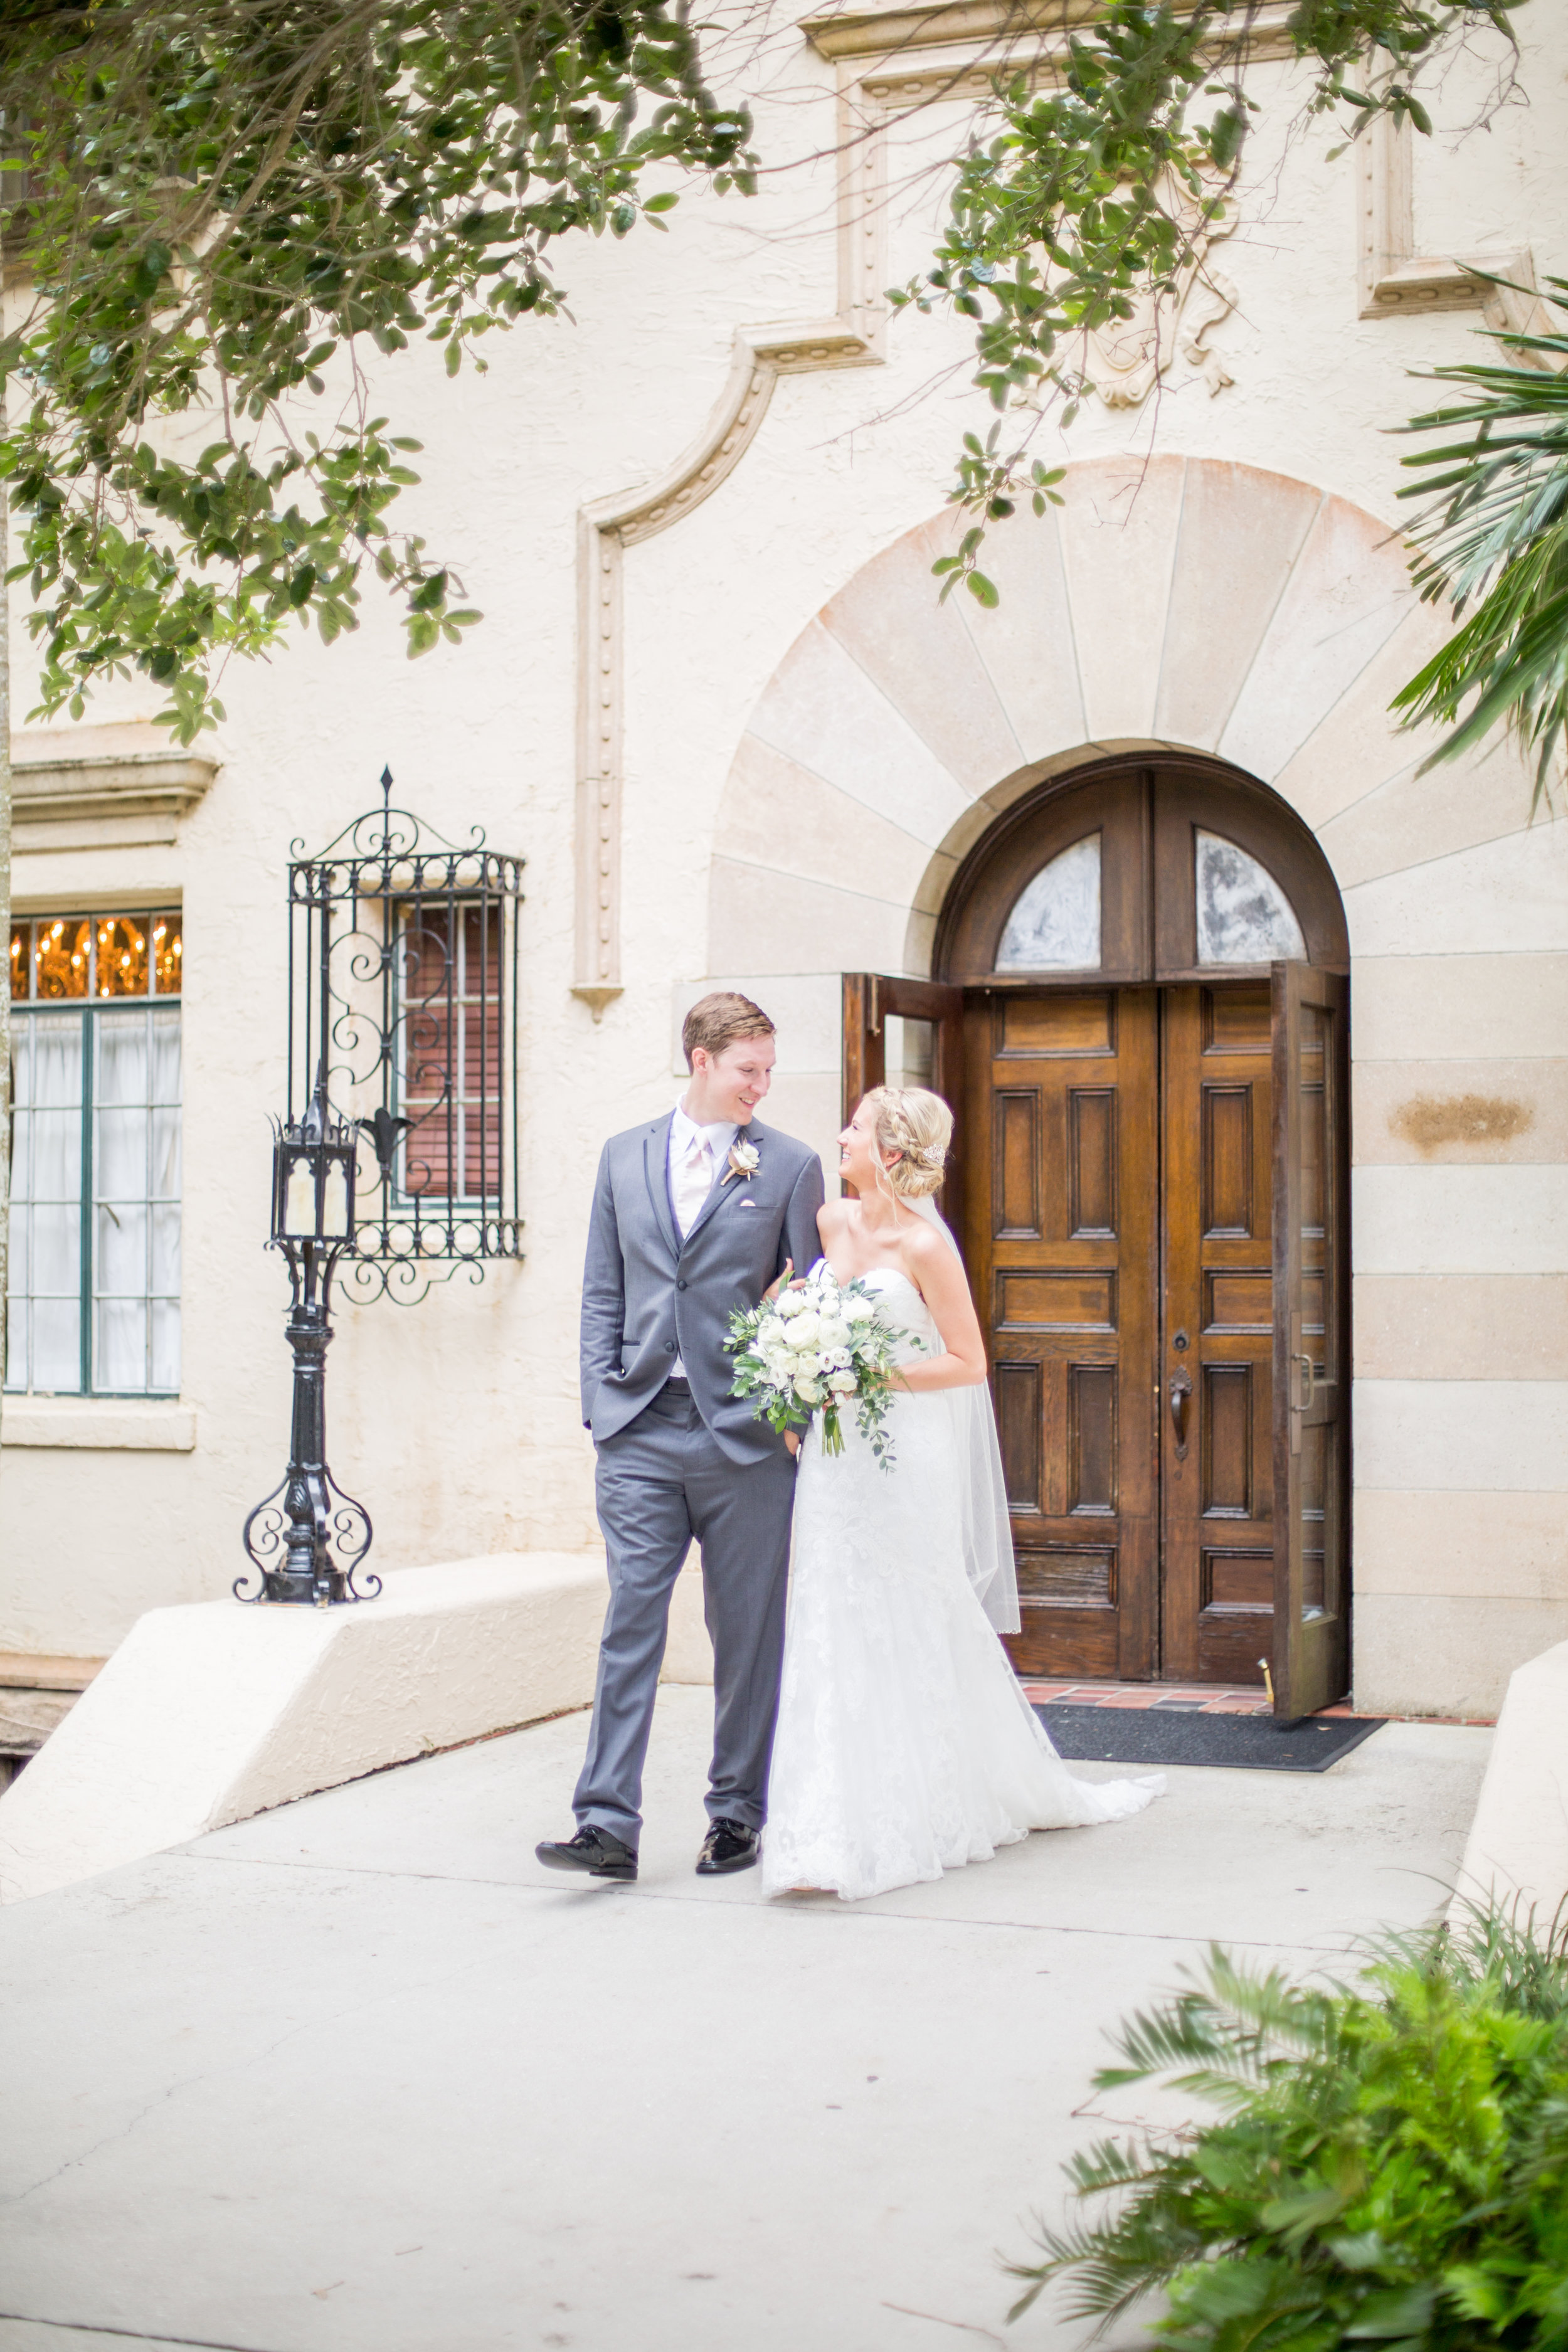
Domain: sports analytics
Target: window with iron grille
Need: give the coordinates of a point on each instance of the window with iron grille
(403, 995)
(454, 1011)
(93, 1290)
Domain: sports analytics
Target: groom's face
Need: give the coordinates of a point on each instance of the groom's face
(730, 1084)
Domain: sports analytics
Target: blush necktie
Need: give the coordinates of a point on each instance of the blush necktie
(693, 1182)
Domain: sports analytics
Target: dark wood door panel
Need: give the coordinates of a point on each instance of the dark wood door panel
(1311, 1337)
(1216, 1343)
(1060, 1243)
(874, 1002)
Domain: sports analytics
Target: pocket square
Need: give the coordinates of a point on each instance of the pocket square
(749, 1204)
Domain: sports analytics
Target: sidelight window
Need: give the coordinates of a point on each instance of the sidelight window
(1053, 924)
(93, 1296)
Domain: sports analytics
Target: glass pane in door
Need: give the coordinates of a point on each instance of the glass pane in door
(1055, 923)
(1243, 914)
(909, 1050)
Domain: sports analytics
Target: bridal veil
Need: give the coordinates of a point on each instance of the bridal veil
(987, 1529)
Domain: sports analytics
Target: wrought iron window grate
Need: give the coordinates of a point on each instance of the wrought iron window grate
(402, 960)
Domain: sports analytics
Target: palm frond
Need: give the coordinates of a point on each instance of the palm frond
(1494, 541)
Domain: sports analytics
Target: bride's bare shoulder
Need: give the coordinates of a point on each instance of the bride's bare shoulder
(832, 1217)
(923, 1245)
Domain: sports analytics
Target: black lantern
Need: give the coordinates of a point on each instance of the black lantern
(307, 1539)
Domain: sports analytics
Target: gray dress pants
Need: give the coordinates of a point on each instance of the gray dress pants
(660, 1482)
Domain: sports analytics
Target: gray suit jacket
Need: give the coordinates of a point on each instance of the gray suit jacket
(648, 1296)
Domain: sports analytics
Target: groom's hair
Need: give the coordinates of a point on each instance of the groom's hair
(717, 1021)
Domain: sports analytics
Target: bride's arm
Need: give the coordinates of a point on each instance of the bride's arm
(938, 1272)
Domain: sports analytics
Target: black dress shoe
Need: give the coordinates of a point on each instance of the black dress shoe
(598, 1851)
(729, 1845)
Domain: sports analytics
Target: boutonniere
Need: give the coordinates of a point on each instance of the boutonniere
(744, 1161)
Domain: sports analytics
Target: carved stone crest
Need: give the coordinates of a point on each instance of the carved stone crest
(1126, 359)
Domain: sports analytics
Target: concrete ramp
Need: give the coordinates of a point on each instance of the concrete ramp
(209, 1712)
(1518, 1845)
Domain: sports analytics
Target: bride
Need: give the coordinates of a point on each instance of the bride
(905, 1746)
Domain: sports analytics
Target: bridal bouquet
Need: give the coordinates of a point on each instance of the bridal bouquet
(818, 1347)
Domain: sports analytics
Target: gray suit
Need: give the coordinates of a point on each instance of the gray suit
(674, 1464)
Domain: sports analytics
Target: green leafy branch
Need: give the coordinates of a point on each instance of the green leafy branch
(216, 204)
(1098, 191)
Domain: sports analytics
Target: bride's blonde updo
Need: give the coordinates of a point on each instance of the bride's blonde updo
(917, 1125)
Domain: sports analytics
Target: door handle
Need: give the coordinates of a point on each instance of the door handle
(1181, 1390)
(1308, 1387)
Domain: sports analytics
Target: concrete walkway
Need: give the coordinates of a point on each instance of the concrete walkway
(357, 2076)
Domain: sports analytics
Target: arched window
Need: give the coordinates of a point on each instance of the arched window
(1053, 924)
(1134, 872)
(1243, 914)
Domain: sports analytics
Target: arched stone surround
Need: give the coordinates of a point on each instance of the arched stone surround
(1190, 604)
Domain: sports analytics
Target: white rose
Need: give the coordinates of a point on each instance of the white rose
(835, 1331)
(790, 1302)
(803, 1331)
(858, 1310)
(842, 1384)
(809, 1391)
(837, 1359)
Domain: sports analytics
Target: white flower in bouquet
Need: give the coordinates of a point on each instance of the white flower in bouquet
(815, 1348)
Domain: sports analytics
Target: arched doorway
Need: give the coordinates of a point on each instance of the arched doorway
(1139, 1011)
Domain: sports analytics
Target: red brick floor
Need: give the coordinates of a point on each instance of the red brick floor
(1180, 1697)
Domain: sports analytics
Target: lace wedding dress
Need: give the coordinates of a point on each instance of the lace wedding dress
(905, 1746)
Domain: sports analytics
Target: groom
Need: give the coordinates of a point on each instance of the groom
(694, 1215)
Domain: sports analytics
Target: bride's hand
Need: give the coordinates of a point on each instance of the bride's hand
(792, 1439)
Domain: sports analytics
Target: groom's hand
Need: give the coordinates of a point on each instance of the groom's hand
(791, 1440)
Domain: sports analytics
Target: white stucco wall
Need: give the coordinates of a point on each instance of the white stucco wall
(456, 1422)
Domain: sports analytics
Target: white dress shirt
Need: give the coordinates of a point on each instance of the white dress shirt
(697, 1154)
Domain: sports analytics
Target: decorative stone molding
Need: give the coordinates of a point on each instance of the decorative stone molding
(1048, 24)
(1170, 602)
(100, 1424)
(1031, 35)
(110, 788)
(1392, 280)
(608, 526)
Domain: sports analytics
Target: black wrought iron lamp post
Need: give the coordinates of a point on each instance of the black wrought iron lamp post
(308, 1537)
(403, 1005)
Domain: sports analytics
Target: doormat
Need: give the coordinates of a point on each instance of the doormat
(1246, 1743)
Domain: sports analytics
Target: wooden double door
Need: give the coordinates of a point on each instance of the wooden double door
(1141, 1028)
(1120, 1235)
(1150, 1191)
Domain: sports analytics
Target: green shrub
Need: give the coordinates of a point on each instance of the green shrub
(1389, 2170)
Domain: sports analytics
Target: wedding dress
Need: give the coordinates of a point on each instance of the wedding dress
(905, 1746)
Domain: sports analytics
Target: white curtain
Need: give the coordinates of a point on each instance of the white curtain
(44, 1323)
(136, 1201)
